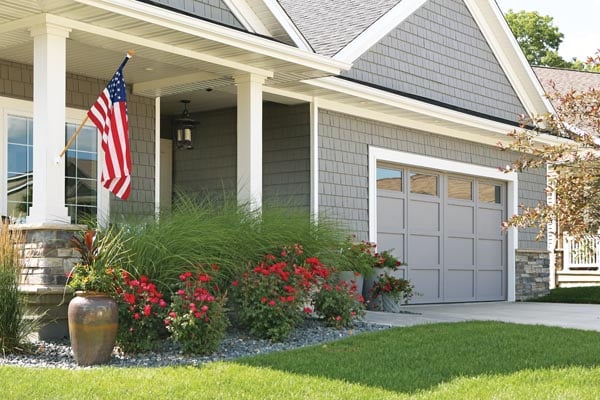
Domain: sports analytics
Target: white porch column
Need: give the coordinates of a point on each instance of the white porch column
(249, 139)
(49, 87)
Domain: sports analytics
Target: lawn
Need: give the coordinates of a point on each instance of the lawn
(581, 295)
(471, 360)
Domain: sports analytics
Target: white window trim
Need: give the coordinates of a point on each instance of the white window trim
(24, 108)
(415, 160)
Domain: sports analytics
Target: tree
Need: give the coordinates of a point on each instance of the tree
(575, 163)
(537, 36)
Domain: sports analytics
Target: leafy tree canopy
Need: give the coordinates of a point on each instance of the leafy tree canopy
(540, 39)
(574, 163)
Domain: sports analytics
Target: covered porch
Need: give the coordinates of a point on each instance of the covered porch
(56, 59)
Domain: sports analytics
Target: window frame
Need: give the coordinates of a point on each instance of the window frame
(24, 108)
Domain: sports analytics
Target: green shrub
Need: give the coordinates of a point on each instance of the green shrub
(338, 303)
(271, 296)
(197, 320)
(14, 327)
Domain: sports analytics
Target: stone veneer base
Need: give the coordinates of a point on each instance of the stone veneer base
(532, 274)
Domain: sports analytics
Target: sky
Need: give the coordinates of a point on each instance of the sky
(578, 20)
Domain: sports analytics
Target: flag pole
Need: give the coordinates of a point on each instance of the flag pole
(130, 54)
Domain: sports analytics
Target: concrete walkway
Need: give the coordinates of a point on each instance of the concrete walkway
(578, 316)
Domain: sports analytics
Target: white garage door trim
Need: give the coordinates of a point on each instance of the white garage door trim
(415, 160)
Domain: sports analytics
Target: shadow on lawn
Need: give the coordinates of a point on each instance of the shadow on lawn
(421, 357)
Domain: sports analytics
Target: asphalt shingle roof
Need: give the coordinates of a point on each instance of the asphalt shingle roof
(329, 25)
(566, 79)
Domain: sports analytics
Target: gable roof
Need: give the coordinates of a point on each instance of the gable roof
(567, 79)
(330, 25)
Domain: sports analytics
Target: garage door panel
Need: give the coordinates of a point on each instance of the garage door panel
(460, 252)
(490, 285)
(391, 217)
(449, 234)
(459, 284)
(393, 242)
(426, 215)
(425, 251)
(427, 284)
(489, 222)
(460, 219)
(490, 253)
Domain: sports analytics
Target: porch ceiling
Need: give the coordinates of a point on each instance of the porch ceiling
(175, 53)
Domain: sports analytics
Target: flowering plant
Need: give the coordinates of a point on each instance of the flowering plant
(397, 288)
(271, 297)
(385, 259)
(141, 312)
(197, 319)
(101, 256)
(358, 257)
(339, 304)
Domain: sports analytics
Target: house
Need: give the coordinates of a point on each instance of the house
(318, 101)
(578, 263)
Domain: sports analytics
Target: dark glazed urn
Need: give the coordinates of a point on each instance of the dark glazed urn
(93, 319)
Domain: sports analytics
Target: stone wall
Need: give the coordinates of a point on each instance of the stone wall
(532, 274)
(48, 256)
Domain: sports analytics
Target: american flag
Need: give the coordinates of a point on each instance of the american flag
(109, 114)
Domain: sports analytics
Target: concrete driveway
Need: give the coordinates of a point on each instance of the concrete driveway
(578, 316)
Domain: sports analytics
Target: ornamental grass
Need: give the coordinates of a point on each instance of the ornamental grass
(14, 326)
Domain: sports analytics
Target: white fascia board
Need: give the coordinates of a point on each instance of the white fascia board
(242, 11)
(221, 34)
(406, 103)
(287, 24)
(378, 30)
(500, 38)
(498, 130)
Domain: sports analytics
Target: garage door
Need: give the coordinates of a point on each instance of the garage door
(446, 228)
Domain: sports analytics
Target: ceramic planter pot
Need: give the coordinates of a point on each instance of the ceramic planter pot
(390, 304)
(348, 276)
(93, 321)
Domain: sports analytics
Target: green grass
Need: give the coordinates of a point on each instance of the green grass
(472, 360)
(580, 295)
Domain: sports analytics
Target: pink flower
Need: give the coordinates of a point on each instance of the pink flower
(173, 314)
(136, 316)
(263, 300)
(272, 303)
(162, 303)
(204, 308)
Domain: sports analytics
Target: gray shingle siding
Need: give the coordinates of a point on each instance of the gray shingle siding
(214, 10)
(439, 53)
(211, 167)
(16, 81)
(344, 143)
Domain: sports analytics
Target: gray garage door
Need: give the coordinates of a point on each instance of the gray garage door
(446, 228)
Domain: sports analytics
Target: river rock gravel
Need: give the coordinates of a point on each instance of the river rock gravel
(57, 354)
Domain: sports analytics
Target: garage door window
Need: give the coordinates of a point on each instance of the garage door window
(421, 183)
(461, 189)
(389, 178)
(490, 193)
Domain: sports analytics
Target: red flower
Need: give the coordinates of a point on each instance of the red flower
(290, 298)
(162, 303)
(129, 298)
(307, 310)
(147, 310)
(263, 300)
(235, 283)
(136, 316)
(204, 278)
(272, 303)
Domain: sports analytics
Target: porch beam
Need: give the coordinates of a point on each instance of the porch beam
(49, 94)
(156, 45)
(158, 84)
(249, 139)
